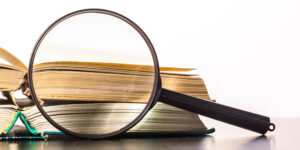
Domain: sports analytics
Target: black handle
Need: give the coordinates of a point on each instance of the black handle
(237, 117)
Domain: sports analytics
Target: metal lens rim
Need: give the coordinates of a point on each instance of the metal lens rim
(156, 87)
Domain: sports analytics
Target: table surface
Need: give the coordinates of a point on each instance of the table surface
(286, 136)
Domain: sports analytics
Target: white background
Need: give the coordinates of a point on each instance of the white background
(247, 52)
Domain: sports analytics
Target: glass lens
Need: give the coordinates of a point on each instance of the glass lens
(93, 73)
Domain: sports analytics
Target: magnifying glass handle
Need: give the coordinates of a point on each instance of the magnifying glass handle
(251, 121)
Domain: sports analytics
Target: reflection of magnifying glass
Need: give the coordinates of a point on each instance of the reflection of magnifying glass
(91, 67)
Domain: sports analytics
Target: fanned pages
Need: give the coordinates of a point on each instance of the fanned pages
(102, 83)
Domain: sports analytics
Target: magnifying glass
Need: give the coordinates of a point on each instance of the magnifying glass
(91, 67)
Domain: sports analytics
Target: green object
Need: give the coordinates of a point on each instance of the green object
(31, 129)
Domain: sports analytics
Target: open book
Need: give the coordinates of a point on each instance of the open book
(161, 119)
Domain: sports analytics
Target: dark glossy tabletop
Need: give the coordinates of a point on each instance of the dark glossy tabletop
(285, 137)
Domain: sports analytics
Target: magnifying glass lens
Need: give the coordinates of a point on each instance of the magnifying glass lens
(93, 73)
